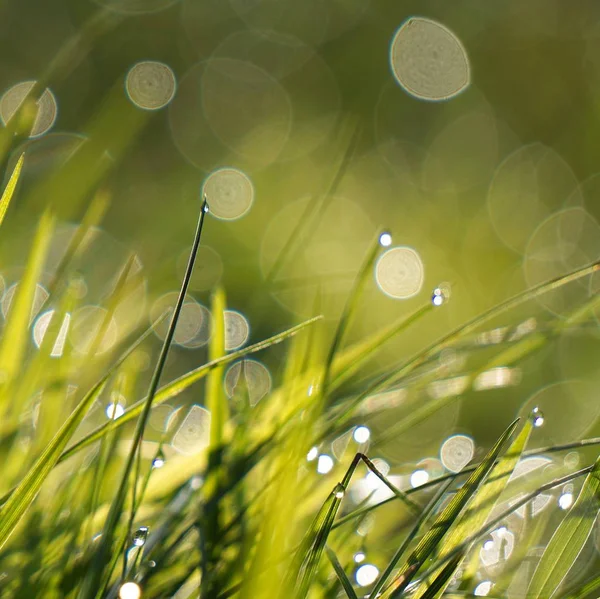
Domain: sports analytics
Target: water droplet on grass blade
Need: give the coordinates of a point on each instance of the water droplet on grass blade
(159, 460)
(140, 536)
(385, 239)
(537, 417)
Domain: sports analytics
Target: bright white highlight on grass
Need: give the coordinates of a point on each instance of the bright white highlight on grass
(385, 239)
(339, 494)
(361, 434)
(359, 557)
(399, 272)
(418, 478)
(456, 452)
(366, 575)
(565, 501)
(488, 545)
(41, 326)
(483, 589)
(324, 464)
(46, 108)
(230, 193)
(237, 329)
(114, 411)
(150, 85)
(497, 377)
(311, 456)
(130, 590)
(428, 61)
(193, 435)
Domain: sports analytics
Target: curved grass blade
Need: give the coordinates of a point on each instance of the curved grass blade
(479, 509)
(409, 366)
(24, 494)
(91, 582)
(9, 190)
(445, 519)
(16, 332)
(342, 577)
(180, 384)
(568, 539)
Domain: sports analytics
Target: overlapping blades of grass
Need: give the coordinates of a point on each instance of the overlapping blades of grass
(24, 494)
(568, 539)
(478, 512)
(442, 524)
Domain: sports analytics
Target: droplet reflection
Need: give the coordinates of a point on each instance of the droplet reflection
(150, 85)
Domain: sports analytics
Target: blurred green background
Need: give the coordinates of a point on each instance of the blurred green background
(494, 188)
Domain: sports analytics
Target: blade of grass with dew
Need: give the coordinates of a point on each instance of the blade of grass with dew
(349, 310)
(316, 540)
(9, 190)
(342, 576)
(446, 518)
(568, 539)
(410, 537)
(90, 584)
(24, 494)
(16, 332)
(479, 534)
(410, 365)
(481, 505)
(180, 384)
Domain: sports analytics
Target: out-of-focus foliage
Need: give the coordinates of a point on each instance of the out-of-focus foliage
(400, 257)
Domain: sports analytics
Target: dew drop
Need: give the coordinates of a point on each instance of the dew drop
(359, 557)
(159, 460)
(367, 575)
(312, 454)
(440, 295)
(385, 239)
(537, 417)
(140, 536)
(324, 464)
(565, 501)
(339, 492)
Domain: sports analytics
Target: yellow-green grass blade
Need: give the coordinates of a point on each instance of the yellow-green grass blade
(342, 576)
(216, 402)
(447, 340)
(16, 332)
(91, 582)
(481, 505)
(316, 540)
(441, 525)
(180, 384)
(24, 494)
(9, 190)
(568, 539)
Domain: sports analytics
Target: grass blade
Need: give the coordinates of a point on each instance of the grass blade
(180, 384)
(568, 539)
(446, 518)
(24, 494)
(480, 507)
(91, 582)
(16, 333)
(9, 190)
(342, 577)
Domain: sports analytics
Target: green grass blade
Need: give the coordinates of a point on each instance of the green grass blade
(24, 494)
(568, 539)
(216, 402)
(9, 190)
(446, 518)
(481, 505)
(16, 333)
(342, 576)
(317, 538)
(180, 384)
(91, 582)
(410, 537)
(447, 340)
